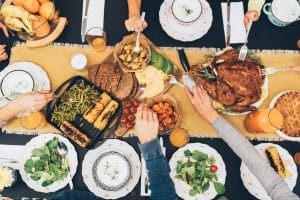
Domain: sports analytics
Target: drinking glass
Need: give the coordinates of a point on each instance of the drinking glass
(96, 37)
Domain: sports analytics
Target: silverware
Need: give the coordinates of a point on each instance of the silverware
(84, 18)
(137, 42)
(63, 151)
(244, 49)
(272, 70)
(173, 81)
(187, 80)
(8, 160)
(228, 31)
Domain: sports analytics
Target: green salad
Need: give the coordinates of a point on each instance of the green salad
(46, 164)
(198, 170)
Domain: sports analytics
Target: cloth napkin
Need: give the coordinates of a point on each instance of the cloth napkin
(10, 152)
(95, 14)
(238, 31)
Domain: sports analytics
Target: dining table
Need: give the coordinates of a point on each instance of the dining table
(264, 36)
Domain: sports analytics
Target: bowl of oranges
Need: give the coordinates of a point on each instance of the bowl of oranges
(36, 21)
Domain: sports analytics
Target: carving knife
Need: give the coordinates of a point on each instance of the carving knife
(85, 8)
(187, 80)
(228, 24)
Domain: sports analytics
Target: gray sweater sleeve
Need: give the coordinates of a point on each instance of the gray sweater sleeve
(270, 180)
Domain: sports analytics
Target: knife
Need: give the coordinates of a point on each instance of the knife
(187, 80)
(85, 7)
(228, 24)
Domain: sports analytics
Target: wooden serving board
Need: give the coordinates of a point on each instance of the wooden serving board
(122, 130)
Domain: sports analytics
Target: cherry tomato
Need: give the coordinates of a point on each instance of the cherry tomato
(129, 125)
(126, 111)
(213, 168)
(136, 103)
(128, 104)
(123, 120)
(133, 110)
(131, 117)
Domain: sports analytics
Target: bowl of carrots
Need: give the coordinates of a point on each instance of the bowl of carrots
(168, 112)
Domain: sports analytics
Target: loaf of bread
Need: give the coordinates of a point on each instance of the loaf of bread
(94, 111)
(74, 134)
(105, 116)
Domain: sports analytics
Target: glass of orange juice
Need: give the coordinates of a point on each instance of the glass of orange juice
(179, 137)
(33, 120)
(96, 37)
(266, 120)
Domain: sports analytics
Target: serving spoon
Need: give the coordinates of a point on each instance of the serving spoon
(63, 151)
(137, 42)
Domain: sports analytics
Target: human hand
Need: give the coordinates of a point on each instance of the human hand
(3, 54)
(250, 16)
(146, 124)
(134, 23)
(4, 29)
(202, 103)
(31, 102)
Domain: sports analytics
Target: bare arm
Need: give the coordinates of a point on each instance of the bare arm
(30, 102)
(133, 23)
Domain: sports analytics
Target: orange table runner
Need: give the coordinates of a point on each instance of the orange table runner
(55, 61)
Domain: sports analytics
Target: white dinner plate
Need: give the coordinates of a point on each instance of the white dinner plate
(16, 83)
(38, 142)
(253, 185)
(185, 31)
(279, 132)
(182, 188)
(40, 77)
(111, 145)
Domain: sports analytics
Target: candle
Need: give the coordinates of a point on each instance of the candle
(78, 61)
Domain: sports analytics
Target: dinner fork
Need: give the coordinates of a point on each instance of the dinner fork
(137, 42)
(173, 81)
(272, 70)
(244, 49)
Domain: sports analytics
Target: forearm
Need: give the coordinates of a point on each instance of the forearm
(161, 184)
(8, 112)
(134, 7)
(274, 185)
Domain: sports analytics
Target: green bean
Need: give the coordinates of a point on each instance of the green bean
(74, 101)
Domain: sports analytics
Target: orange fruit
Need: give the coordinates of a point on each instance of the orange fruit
(47, 10)
(40, 26)
(297, 158)
(179, 137)
(32, 121)
(32, 6)
(18, 3)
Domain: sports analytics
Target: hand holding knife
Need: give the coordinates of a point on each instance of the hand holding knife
(187, 80)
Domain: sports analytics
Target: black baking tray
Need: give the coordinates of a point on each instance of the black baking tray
(80, 123)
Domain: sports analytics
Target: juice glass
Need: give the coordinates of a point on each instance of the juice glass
(96, 37)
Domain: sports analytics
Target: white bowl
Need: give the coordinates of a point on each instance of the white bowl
(186, 11)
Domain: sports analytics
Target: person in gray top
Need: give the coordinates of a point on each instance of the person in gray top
(269, 179)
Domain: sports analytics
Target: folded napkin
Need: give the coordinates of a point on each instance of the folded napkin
(238, 31)
(10, 153)
(95, 14)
